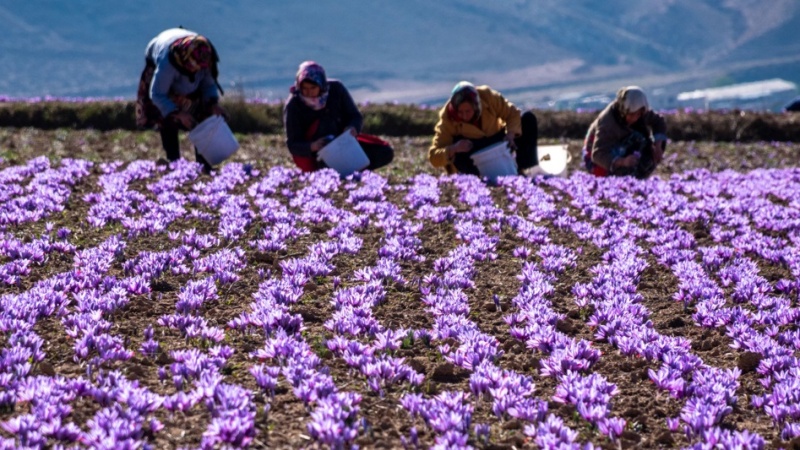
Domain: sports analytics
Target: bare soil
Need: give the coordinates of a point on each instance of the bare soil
(282, 420)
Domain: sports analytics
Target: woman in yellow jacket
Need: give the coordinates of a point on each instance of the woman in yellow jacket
(475, 118)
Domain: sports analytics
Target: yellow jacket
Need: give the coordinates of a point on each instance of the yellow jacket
(497, 114)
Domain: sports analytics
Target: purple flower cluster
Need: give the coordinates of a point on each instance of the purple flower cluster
(116, 202)
(126, 412)
(535, 323)
(235, 215)
(279, 226)
(726, 210)
(64, 99)
(151, 265)
(591, 396)
(49, 402)
(335, 414)
(223, 265)
(449, 415)
(233, 415)
(751, 220)
(354, 305)
(423, 192)
(23, 255)
(97, 297)
(445, 295)
(129, 412)
(179, 174)
(334, 421)
(511, 393)
(46, 191)
(196, 294)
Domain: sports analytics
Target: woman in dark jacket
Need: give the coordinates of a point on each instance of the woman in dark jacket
(627, 138)
(319, 109)
(178, 87)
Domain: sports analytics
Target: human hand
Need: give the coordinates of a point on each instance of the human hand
(185, 119)
(219, 111)
(461, 146)
(628, 161)
(510, 136)
(352, 131)
(658, 151)
(320, 143)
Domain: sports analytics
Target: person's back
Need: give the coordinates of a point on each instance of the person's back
(158, 47)
(794, 105)
(178, 87)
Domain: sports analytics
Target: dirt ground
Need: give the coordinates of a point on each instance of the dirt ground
(281, 421)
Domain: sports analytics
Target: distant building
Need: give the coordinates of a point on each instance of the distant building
(579, 101)
(763, 95)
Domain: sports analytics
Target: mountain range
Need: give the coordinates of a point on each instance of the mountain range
(413, 51)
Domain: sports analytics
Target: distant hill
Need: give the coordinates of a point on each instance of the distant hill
(410, 50)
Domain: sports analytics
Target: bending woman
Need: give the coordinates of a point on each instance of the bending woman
(478, 117)
(178, 87)
(318, 109)
(627, 138)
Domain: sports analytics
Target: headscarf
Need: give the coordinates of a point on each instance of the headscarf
(463, 91)
(631, 99)
(312, 72)
(192, 53)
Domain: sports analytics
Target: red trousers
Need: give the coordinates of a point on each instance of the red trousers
(310, 163)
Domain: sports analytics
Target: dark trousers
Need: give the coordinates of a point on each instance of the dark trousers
(148, 115)
(379, 155)
(169, 140)
(526, 153)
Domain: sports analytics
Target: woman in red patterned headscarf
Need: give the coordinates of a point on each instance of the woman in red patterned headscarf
(178, 87)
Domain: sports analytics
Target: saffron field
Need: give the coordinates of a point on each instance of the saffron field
(145, 306)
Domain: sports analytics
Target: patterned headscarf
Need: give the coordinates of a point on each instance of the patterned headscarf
(192, 53)
(314, 73)
(463, 91)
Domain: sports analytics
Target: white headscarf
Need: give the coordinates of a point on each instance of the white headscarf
(631, 99)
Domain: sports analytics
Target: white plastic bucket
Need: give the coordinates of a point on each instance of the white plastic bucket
(553, 159)
(495, 161)
(344, 154)
(214, 140)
